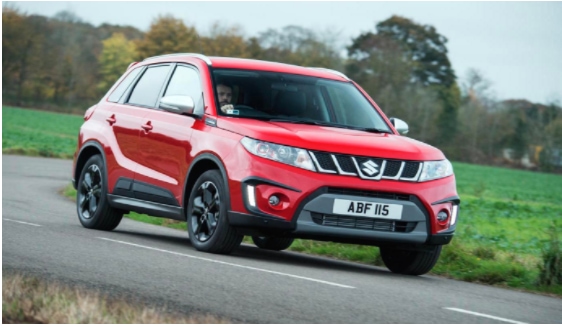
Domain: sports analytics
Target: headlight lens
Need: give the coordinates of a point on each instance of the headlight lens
(436, 170)
(280, 153)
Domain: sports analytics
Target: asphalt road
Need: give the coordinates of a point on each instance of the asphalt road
(41, 235)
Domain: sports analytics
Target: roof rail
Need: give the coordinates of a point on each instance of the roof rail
(332, 71)
(195, 55)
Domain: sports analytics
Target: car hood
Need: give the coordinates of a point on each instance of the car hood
(333, 140)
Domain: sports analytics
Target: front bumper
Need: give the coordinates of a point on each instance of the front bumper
(314, 220)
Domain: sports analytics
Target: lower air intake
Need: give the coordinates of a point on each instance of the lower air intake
(363, 223)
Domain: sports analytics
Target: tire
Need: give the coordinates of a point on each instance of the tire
(207, 222)
(92, 205)
(410, 262)
(272, 243)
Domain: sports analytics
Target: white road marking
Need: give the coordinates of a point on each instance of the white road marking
(27, 223)
(231, 264)
(485, 316)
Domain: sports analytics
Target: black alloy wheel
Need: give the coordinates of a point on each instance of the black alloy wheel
(92, 205)
(207, 221)
(206, 211)
(90, 191)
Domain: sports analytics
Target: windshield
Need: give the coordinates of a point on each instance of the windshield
(294, 98)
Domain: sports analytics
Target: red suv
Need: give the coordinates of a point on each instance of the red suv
(245, 147)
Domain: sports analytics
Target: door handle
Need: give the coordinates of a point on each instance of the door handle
(147, 127)
(111, 120)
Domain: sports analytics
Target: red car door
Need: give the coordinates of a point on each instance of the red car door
(164, 142)
(121, 130)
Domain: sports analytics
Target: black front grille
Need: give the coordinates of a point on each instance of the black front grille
(367, 193)
(410, 170)
(325, 161)
(346, 164)
(369, 168)
(392, 168)
(363, 223)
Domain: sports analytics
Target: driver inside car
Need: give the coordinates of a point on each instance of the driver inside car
(224, 93)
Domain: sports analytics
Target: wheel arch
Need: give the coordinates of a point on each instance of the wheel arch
(201, 164)
(89, 149)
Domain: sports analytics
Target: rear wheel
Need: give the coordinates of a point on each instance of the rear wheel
(207, 224)
(92, 205)
(272, 243)
(410, 262)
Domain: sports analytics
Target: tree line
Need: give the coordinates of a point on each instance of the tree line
(64, 63)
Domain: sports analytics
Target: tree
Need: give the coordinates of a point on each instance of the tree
(225, 41)
(384, 69)
(105, 31)
(254, 48)
(425, 46)
(117, 54)
(378, 62)
(19, 40)
(74, 59)
(168, 35)
(427, 49)
(300, 46)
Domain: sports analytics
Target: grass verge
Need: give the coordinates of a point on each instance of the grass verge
(28, 300)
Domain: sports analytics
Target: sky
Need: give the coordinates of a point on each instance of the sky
(517, 46)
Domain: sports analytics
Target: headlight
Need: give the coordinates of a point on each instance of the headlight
(280, 153)
(436, 170)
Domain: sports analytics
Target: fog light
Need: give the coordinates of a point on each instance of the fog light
(251, 196)
(442, 216)
(273, 200)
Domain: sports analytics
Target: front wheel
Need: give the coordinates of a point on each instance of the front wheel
(92, 205)
(272, 243)
(410, 262)
(207, 224)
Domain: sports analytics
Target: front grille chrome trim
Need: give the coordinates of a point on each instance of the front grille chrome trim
(320, 169)
(416, 177)
(340, 171)
(397, 176)
(348, 165)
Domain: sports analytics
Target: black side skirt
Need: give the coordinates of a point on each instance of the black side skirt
(146, 207)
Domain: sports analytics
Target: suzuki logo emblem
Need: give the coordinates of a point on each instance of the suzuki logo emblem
(371, 168)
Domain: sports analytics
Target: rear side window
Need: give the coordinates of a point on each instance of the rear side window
(148, 87)
(185, 81)
(119, 90)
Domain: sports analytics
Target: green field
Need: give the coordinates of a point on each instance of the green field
(503, 226)
(39, 133)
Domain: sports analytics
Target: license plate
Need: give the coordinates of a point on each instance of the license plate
(367, 209)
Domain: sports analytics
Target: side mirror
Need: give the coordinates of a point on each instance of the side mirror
(401, 126)
(180, 104)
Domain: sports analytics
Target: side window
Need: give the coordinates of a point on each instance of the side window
(185, 81)
(119, 90)
(148, 87)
